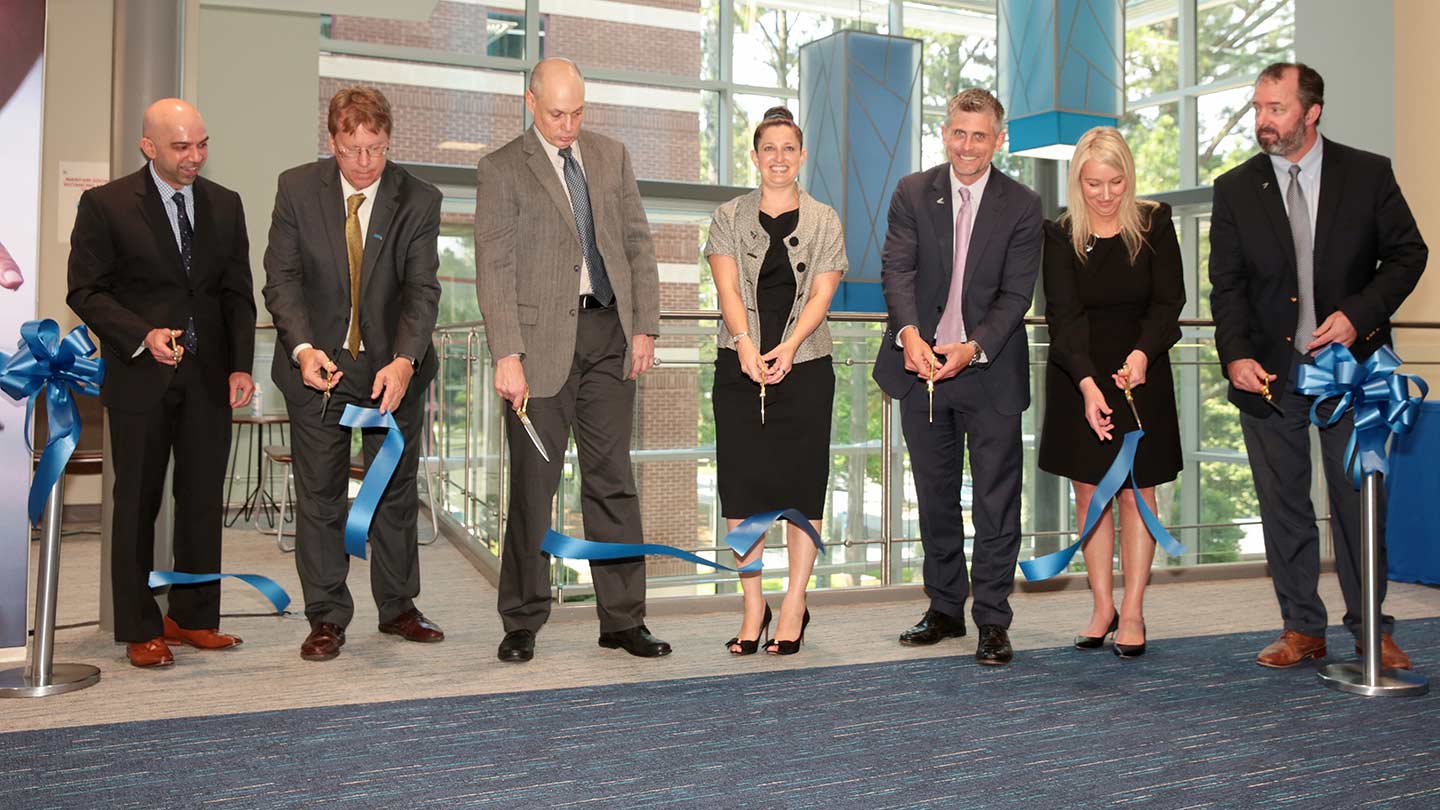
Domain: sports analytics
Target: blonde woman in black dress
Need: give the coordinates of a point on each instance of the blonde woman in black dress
(1114, 290)
(777, 255)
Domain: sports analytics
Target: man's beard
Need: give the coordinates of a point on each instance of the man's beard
(1284, 144)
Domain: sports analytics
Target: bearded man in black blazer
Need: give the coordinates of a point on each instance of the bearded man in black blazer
(160, 270)
(350, 281)
(1311, 243)
(963, 325)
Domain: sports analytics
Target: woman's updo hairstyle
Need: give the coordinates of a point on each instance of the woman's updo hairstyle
(777, 117)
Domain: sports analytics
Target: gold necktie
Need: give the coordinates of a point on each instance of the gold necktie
(355, 250)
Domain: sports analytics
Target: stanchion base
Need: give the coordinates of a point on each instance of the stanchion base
(14, 683)
(1349, 677)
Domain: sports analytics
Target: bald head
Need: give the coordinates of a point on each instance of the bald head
(556, 100)
(175, 141)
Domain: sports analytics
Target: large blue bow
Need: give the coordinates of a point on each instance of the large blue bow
(46, 362)
(1378, 395)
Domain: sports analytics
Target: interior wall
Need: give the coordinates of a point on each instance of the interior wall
(1416, 64)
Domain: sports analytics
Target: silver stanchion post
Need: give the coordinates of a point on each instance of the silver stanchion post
(1366, 676)
(41, 676)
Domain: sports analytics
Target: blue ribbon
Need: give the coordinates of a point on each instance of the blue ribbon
(46, 362)
(1379, 397)
(1105, 491)
(377, 478)
(740, 540)
(267, 587)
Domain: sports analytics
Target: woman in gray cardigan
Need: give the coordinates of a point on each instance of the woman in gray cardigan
(777, 255)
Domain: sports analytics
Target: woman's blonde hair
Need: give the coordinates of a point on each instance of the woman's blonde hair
(1106, 146)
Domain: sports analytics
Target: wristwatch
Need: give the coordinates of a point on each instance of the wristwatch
(413, 362)
(974, 358)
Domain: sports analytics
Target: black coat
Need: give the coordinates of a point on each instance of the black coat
(125, 279)
(1368, 257)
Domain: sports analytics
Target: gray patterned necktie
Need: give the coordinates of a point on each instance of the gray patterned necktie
(187, 243)
(585, 225)
(1304, 258)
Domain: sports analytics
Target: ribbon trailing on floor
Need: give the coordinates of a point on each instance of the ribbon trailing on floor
(44, 362)
(1379, 397)
(377, 478)
(1105, 491)
(740, 540)
(267, 587)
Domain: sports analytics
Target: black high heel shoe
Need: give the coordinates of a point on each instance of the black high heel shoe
(749, 646)
(1096, 642)
(779, 647)
(1131, 650)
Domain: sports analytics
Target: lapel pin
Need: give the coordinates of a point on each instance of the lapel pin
(940, 200)
(379, 236)
(1264, 185)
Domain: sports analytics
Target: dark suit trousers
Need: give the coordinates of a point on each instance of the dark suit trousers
(1279, 449)
(322, 476)
(965, 416)
(188, 421)
(599, 403)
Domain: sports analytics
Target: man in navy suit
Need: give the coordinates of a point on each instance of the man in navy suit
(1311, 243)
(959, 267)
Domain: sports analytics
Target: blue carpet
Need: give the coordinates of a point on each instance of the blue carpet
(1193, 724)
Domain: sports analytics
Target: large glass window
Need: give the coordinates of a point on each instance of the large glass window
(768, 36)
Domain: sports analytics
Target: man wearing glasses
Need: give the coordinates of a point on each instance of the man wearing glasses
(350, 282)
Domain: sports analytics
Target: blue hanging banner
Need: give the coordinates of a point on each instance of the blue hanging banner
(377, 478)
(1379, 397)
(267, 587)
(46, 363)
(740, 540)
(1120, 471)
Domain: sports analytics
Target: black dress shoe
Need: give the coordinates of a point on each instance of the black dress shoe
(994, 648)
(1130, 650)
(933, 627)
(636, 641)
(517, 647)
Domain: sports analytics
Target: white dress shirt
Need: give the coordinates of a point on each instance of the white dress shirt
(553, 152)
(363, 214)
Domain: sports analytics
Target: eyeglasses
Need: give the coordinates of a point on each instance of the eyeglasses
(352, 152)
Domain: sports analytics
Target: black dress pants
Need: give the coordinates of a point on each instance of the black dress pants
(195, 425)
(322, 480)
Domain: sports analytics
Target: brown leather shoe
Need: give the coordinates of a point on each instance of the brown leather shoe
(1391, 656)
(211, 639)
(152, 653)
(1290, 649)
(413, 626)
(323, 643)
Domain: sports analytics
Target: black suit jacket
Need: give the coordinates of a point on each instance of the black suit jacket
(1000, 271)
(126, 278)
(307, 272)
(1368, 257)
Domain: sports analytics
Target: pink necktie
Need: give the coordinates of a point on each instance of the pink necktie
(952, 323)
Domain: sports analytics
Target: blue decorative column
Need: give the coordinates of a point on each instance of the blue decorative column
(860, 108)
(1062, 71)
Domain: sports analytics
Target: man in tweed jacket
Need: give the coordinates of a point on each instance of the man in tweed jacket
(566, 277)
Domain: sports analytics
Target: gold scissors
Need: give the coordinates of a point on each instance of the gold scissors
(762, 402)
(174, 349)
(1269, 398)
(325, 397)
(930, 391)
(1129, 397)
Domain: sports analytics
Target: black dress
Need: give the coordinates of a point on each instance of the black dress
(784, 463)
(1098, 312)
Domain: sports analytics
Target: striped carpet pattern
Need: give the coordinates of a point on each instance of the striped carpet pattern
(1193, 724)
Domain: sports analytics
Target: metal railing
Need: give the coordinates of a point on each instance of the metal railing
(466, 430)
